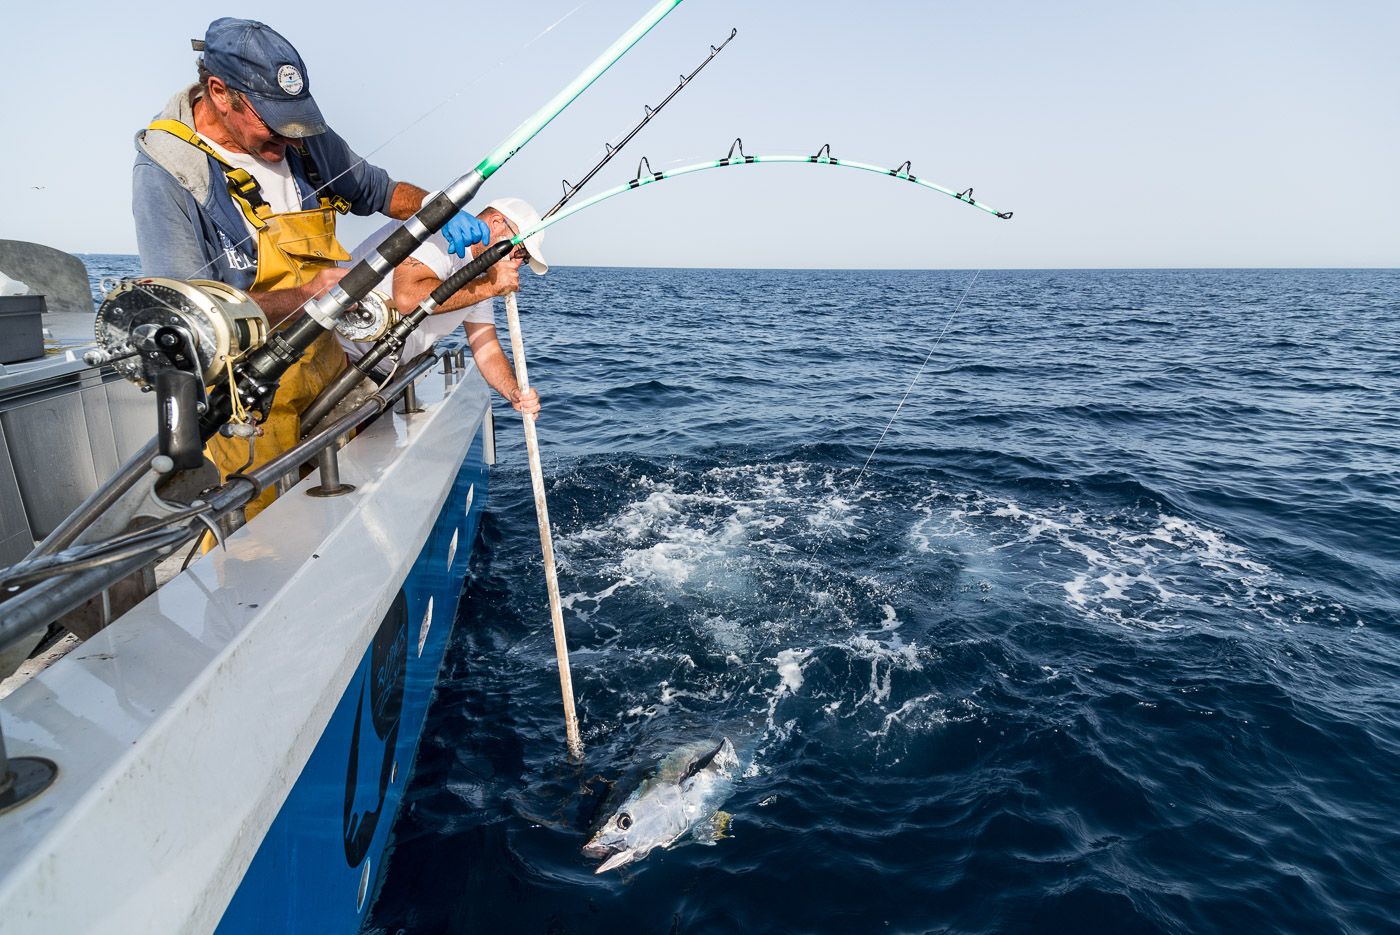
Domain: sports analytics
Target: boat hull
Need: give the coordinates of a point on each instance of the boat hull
(232, 752)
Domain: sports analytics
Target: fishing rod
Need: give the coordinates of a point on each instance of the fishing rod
(736, 157)
(611, 150)
(174, 360)
(393, 341)
(255, 377)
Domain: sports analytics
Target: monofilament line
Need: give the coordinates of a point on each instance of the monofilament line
(947, 323)
(918, 373)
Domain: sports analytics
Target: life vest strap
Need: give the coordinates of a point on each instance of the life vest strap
(246, 192)
(244, 189)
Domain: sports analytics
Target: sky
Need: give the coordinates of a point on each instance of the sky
(1122, 134)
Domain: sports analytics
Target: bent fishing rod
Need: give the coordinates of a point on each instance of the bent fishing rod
(736, 157)
(256, 376)
(393, 341)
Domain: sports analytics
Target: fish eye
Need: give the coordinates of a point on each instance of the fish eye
(624, 821)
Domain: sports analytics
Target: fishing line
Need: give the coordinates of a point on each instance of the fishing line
(801, 584)
(855, 486)
(947, 322)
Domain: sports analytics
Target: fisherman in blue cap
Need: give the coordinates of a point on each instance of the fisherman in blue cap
(240, 179)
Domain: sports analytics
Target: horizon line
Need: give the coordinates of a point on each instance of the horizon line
(934, 269)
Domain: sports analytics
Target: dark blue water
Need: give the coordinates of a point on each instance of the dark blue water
(1105, 638)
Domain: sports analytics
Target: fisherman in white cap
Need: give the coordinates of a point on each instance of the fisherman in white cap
(472, 306)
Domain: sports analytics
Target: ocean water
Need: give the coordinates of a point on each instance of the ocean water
(1103, 635)
(1103, 638)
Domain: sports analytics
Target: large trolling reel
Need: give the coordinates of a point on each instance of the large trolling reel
(224, 323)
(176, 338)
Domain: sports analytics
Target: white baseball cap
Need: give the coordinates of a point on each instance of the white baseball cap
(524, 217)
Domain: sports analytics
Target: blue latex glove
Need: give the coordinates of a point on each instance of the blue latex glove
(463, 231)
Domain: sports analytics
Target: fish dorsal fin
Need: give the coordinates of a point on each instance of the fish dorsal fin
(701, 762)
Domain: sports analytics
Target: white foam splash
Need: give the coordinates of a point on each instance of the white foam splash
(789, 663)
(1140, 570)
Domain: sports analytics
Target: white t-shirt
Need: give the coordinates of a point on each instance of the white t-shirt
(275, 179)
(435, 256)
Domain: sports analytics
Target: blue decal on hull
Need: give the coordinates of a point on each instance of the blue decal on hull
(387, 671)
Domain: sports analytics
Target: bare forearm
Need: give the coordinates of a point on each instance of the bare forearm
(281, 304)
(414, 282)
(495, 369)
(405, 201)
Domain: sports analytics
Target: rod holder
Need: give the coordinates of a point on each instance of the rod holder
(410, 400)
(23, 777)
(449, 362)
(328, 462)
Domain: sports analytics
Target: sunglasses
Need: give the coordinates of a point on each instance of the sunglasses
(519, 253)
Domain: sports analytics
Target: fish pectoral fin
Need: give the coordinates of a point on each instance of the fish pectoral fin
(716, 829)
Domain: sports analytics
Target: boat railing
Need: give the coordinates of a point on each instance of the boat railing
(62, 573)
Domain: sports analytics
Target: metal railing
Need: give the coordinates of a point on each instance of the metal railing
(93, 572)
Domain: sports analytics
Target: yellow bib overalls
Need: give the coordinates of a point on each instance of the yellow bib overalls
(292, 248)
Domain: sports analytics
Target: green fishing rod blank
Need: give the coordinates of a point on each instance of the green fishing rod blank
(522, 134)
(643, 179)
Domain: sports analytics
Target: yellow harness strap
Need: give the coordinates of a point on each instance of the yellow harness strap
(241, 184)
(292, 246)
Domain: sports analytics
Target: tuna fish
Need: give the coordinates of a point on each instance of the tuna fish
(681, 796)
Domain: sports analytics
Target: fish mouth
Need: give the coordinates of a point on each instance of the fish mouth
(616, 860)
(612, 855)
(599, 850)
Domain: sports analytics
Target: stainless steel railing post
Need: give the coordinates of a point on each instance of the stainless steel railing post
(22, 778)
(328, 462)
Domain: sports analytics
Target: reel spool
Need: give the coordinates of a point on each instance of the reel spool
(369, 319)
(222, 322)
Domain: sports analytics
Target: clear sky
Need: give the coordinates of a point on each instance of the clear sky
(1122, 134)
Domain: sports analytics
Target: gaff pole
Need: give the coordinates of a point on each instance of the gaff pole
(551, 576)
(259, 372)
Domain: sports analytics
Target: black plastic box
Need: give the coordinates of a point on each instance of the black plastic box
(21, 328)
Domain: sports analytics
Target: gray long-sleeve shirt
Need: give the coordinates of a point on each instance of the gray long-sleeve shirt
(187, 225)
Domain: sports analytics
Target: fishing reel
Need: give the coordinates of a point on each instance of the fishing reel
(176, 338)
(369, 319)
(147, 326)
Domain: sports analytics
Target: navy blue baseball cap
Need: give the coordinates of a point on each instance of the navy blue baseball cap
(254, 59)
